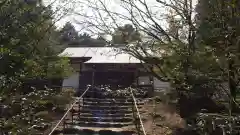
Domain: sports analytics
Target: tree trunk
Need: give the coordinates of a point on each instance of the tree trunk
(232, 86)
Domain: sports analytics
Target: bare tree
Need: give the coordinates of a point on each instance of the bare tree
(163, 25)
(168, 27)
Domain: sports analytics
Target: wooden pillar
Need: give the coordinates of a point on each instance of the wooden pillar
(93, 75)
(93, 81)
(79, 76)
(152, 84)
(136, 77)
(151, 78)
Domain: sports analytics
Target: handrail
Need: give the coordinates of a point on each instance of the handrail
(68, 111)
(140, 119)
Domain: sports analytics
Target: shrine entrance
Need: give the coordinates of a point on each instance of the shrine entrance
(114, 76)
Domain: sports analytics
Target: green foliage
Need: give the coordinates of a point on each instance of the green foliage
(29, 45)
(59, 69)
(69, 35)
(33, 113)
(218, 61)
(71, 38)
(29, 48)
(125, 35)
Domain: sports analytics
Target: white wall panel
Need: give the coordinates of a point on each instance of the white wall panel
(160, 85)
(72, 81)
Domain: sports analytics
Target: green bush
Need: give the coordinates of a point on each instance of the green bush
(32, 112)
(44, 115)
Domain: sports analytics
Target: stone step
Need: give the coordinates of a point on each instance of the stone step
(93, 131)
(106, 119)
(121, 100)
(116, 91)
(102, 95)
(100, 124)
(106, 103)
(112, 96)
(101, 107)
(96, 111)
(108, 99)
(101, 119)
(104, 115)
(101, 92)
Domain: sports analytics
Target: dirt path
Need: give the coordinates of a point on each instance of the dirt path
(160, 119)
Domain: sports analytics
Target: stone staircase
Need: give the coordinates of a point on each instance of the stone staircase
(99, 113)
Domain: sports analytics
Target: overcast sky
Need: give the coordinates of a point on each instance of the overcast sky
(74, 5)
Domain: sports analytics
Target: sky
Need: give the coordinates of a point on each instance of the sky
(79, 6)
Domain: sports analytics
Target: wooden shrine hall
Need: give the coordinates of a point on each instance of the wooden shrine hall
(106, 66)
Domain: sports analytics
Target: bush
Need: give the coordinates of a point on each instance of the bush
(32, 112)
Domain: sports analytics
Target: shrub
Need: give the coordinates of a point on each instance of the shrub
(32, 113)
